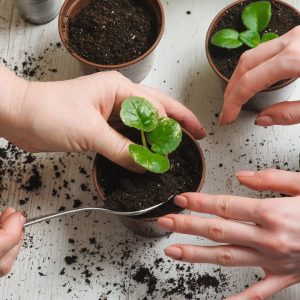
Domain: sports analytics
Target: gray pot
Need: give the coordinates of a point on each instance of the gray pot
(38, 11)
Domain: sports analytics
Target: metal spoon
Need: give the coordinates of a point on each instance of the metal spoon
(76, 210)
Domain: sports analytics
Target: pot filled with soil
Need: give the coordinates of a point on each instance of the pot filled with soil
(241, 26)
(182, 170)
(113, 35)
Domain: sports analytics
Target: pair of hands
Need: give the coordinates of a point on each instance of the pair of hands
(73, 116)
(253, 232)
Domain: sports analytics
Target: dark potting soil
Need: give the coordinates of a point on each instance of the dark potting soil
(113, 32)
(128, 191)
(283, 20)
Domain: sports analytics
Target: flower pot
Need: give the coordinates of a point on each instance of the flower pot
(145, 225)
(38, 11)
(272, 95)
(136, 69)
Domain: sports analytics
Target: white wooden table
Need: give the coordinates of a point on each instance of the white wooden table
(181, 69)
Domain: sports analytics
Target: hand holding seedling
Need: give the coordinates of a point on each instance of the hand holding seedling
(163, 134)
(73, 116)
(253, 232)
(259, 69)
(256, 17)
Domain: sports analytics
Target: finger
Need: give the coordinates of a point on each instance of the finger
(225, 206)
(217, 230)
(8, 260)
(7, 212)
(264, 288)
(227, 255)
(256, 80)
(252, 58)
(11, 232)
(179, 112)
(285, 113)
(274, 180)
(115, 147)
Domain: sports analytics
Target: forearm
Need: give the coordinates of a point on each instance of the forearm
(12, 91)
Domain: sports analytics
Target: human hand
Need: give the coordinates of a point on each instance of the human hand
(11, 235)
(73, 115)
(269, 239)
(258, 69)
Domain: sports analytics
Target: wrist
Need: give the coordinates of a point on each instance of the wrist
(12, 93)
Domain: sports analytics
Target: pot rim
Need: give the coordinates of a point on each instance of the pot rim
(63, 21)
(209, 34)
(152, 219)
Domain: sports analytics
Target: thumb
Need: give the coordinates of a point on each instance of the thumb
(265, 288)
(11, 232)
(115, 147)
(280, 181)
(285, 113)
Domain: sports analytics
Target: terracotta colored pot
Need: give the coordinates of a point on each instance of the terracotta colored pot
(263, 99)
(137, 69)
(148, 226)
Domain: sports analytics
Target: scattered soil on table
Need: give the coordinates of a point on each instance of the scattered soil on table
(283, 20)
(128, 191)
(113, 32)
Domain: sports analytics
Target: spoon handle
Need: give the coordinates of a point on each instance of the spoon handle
(60, 214)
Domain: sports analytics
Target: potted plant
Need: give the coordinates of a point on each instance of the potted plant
(112, 35)
(172, 157)
(243, 25)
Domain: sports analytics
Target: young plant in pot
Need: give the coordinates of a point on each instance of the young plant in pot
(112, 35)
(173, 160)
(241, 26)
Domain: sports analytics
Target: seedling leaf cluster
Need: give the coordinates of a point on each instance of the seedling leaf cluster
(163, 135)
(256, 17)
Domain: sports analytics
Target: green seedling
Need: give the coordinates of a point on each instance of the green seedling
(256, 17)
(163, 135)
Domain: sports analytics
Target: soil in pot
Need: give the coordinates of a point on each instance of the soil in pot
(283, 20)
(113, 32)
(128, 191)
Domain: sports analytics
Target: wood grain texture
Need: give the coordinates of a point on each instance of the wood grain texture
(180, 69)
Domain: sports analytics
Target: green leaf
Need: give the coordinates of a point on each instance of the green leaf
(226, 38)
(256, 16)
(251, 38)
(152, 162)
(269, 36)
(166, 137)
(139, 113)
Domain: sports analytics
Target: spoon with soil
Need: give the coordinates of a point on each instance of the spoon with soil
(76, 210)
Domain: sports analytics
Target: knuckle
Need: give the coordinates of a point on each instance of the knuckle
(279, 245)
(258, 296)
(244, 62)
(216, 232)
(223, 206)
(288, 116)
(226, 258)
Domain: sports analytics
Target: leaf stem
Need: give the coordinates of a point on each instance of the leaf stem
(144, 139)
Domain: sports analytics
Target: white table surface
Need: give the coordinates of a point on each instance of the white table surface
(180, 69)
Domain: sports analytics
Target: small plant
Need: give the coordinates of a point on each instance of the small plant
(256, 17)
(164, 135)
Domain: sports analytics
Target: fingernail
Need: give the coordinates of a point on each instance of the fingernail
(181, 201)
(22, 219)
(166, 223)
(264, 121)
(174, 252)
(245, 173)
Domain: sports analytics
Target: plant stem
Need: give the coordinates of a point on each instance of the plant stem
(144, 139)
